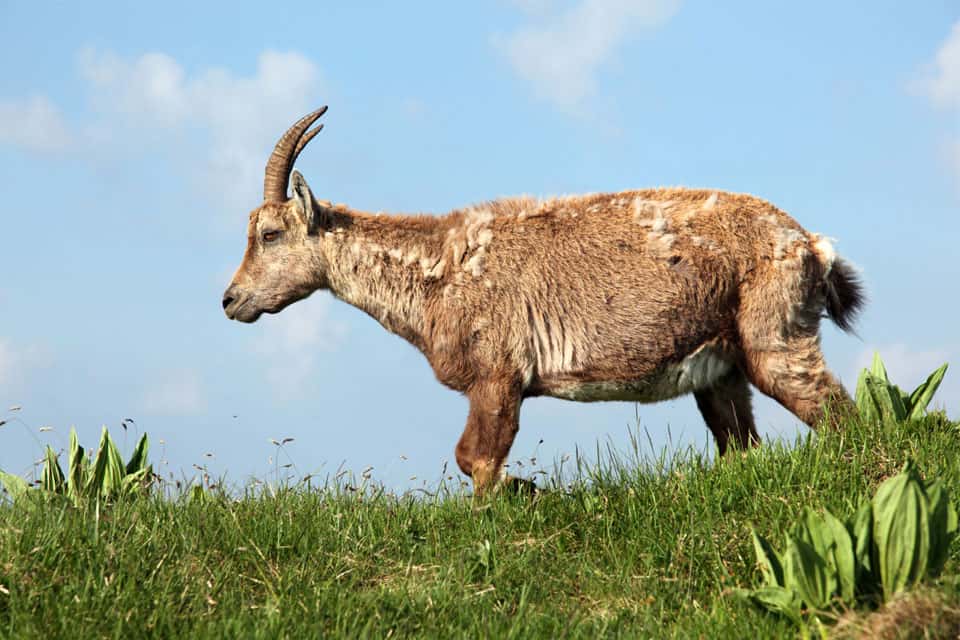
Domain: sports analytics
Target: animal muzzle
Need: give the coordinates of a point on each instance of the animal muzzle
(233, 302)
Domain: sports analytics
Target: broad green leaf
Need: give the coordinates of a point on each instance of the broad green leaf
(805, 572)
(96, 478)
(809, 528)
(51, 479)
(886, 398)
(841, 558)
(905, 400)
(812, 529)
(861, 530)
(76, 467)
(132, 482)
(866, 405)
(138, 459)
(113, 478)
(879, 407)
(775, 599)
(943, 525)
(769, 560)
(14, 485)
(197, 494)
(900, 409)
(901, 531)
(877, 369)
(922, 395)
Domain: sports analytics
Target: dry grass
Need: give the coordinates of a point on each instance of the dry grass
(926, 614)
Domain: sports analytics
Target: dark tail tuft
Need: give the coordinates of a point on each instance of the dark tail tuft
(845, 295)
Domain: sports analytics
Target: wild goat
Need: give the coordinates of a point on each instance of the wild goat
(638, 295)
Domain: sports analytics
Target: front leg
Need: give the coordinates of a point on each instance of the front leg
(491, 427)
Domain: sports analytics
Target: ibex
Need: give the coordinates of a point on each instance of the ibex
(638, 295)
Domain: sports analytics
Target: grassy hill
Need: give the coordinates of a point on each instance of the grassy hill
(629, 547)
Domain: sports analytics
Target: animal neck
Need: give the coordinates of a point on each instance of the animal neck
(382, 265)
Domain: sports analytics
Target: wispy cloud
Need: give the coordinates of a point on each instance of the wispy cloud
(562, 54)
(941, 84)
(291, 342)
(18, 361)
(34, 124)
(238, 117)
(232, 119)
(177, 393)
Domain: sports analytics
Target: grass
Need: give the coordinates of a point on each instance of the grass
(631, 548)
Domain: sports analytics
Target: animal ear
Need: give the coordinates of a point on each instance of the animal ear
(313, 214)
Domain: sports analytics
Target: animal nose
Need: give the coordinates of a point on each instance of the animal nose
(228, 298)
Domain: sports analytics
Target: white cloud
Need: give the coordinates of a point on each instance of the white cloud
(941, 85)
(944, 85)
(233, 119)
(238, 117)
(178, 393)
(34, 124)
(18, 361)
(561, 56)
(291, 342)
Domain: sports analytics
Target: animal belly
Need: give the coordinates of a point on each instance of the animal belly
(700, 370)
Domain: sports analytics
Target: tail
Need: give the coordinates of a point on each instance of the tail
(845, 293)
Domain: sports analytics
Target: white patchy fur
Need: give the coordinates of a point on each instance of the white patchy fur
(700, 370)
(786, 239)
(825, 251)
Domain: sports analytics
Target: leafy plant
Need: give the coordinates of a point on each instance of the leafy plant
(879, 399)
(890, 544)
(105, 476)
(482, 560)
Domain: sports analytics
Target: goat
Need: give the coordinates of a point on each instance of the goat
(639, 295)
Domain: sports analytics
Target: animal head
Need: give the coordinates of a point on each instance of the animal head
(281, 264)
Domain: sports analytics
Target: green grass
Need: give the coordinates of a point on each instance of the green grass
(631, 548)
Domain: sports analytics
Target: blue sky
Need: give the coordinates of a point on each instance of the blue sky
(133, 137)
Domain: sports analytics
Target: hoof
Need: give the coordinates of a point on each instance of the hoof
(520, 486)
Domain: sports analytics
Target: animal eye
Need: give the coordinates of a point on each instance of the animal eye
(270, 236)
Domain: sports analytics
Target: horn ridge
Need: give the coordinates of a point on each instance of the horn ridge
(291, 143)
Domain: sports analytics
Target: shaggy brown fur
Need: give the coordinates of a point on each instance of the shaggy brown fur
(639, 295)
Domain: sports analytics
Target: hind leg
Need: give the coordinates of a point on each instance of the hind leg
(726, 409)
(795, 375)
(779, 327)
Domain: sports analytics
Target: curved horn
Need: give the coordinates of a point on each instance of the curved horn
(277, 172)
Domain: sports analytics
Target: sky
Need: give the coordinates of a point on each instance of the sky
(133, 138)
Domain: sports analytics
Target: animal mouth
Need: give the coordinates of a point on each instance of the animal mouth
(241, 312)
